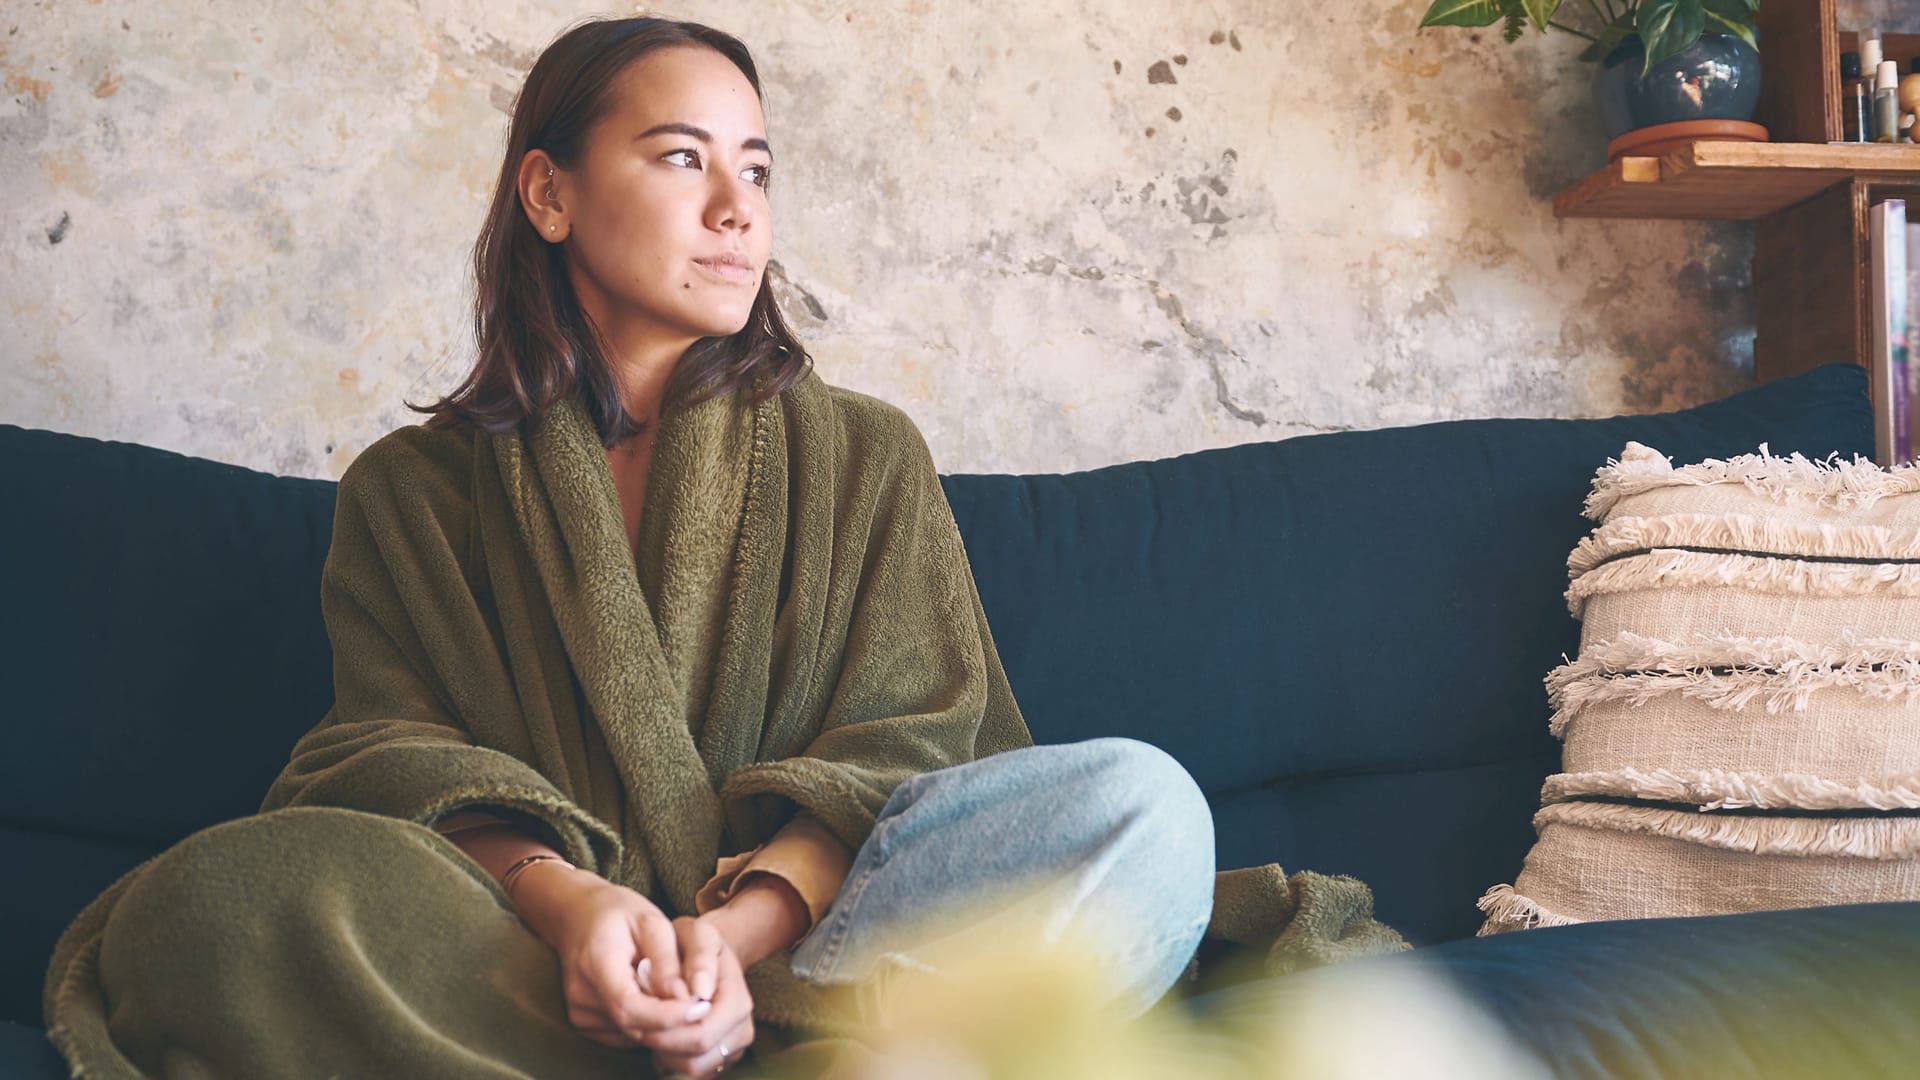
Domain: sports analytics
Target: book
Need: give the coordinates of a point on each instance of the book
(1891, 383)
(1909, 352)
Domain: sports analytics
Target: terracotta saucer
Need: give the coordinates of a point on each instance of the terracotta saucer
(1661, 139)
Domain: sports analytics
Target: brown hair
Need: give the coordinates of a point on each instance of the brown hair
(536, 343)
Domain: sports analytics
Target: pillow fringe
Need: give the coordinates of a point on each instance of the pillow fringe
(1852, 484)
(1729, 672)
(1508, 910)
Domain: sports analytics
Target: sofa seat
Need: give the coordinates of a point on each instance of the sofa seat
(1805, 993)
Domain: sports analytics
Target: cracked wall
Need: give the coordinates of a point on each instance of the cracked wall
(1060, 234)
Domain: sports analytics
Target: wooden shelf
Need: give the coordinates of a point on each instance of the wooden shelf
(1807, 193)
(1732, 181)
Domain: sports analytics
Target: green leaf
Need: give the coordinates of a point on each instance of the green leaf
(1731, 10)
(1733, 17)
(1540, 11)
(1668, 26)
(1738, 29)
(1462, 13)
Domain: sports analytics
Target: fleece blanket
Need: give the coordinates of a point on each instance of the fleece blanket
(800, 629)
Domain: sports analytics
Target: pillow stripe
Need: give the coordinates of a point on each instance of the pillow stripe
(1867, 559)
(1629, 652)
(1711, 790)
(1730, 672)
(1749, 811)
(1682, 614)
(1817, 536)
(1648, 876)
(1841, 736)
(1868, 838)
(1779, 577)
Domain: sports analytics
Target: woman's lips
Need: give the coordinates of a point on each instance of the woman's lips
(738, 273)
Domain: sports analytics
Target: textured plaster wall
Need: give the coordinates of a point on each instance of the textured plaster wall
(1059, 233)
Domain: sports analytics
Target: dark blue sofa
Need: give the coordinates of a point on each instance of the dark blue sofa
(1342, 636)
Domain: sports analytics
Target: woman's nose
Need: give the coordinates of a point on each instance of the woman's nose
(729, 206)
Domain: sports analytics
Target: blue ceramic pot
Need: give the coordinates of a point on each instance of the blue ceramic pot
(1715, 78)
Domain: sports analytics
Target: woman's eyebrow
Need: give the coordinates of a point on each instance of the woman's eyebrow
(699, 133)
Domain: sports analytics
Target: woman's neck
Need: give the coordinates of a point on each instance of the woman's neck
(641, 354)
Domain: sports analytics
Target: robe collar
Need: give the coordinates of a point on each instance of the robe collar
(567, 510)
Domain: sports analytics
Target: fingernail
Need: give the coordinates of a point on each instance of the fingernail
(699, 1009)
(703, 985)
(644, 968)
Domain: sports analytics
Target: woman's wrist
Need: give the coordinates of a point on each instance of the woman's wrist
(764, 915)
(546, 889)
(541, 889)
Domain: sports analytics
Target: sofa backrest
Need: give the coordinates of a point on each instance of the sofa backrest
(1342, 636)
(161, 649)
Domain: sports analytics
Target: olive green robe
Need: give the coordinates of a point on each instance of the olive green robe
(800, 630)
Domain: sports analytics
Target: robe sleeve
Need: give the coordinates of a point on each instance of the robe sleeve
(804, 854)
(393, 595)
(919, 684)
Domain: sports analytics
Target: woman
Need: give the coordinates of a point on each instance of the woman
(655, 658)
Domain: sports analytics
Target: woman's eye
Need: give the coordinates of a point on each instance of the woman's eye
(762, 174)
(694, 154)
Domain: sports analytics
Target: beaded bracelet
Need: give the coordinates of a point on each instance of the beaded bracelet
(514, 871)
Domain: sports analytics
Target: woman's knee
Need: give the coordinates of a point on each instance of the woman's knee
(253, 879)
(1155, 843)
(247, 856)
(1144, 780)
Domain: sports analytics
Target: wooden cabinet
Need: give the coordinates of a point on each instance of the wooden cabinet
(1807, 198)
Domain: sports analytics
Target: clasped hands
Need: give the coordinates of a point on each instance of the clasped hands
(635, 979)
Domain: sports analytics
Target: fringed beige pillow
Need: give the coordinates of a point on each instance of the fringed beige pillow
(1741, 730)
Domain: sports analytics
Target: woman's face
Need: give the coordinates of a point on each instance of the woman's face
(666, 216)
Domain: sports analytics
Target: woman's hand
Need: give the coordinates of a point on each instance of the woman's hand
(763, 916)
(723, 1029)
(633, 978)
(608, 939)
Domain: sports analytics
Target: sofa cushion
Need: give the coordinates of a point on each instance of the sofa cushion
(25, 1054)
(164, 642)
(1742, 725)
(65, 871)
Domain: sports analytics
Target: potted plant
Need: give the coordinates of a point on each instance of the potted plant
(1670, 70)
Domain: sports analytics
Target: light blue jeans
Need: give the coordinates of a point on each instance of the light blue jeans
(1109, 840)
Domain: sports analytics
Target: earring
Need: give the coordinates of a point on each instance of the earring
(550, 228)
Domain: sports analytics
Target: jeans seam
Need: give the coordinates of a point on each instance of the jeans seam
(841, 917)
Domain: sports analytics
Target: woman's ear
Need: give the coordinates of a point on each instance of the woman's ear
(539, 184)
